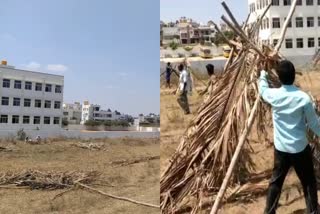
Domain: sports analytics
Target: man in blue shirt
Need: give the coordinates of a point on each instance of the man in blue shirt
(293, 112)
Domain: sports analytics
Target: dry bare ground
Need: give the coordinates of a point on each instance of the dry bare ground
(137, 180)
(174, 123)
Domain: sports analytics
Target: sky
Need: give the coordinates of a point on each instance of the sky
(107, 52)
(201, 10)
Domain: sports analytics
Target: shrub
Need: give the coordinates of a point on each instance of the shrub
(21, 135)
(92, 123)
(65, 122)
(173, 45)
(194, 54)
(188, 48)
(180, 55)
(218, 39)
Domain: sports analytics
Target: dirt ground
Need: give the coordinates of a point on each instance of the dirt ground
(174, 123)
(139, 181)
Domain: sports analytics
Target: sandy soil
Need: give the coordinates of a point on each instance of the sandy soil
(137, 181)
(174, 123)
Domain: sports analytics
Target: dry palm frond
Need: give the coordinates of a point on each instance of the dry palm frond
(200, 162)
(34, 179)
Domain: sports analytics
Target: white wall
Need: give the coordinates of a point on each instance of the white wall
(34, 77)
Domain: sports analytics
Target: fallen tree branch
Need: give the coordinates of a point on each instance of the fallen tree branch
(116, 197)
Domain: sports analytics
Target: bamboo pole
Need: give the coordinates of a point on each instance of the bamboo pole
(285, 26)
(235, 157)
(116, 197)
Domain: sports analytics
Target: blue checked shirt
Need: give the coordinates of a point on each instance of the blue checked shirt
(292, 112)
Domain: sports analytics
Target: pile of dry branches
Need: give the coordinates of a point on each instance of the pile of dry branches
(210, 148)
(139, 160)
(34, 179)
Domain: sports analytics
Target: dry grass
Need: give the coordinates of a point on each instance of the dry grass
(262, 155)
(138, 181)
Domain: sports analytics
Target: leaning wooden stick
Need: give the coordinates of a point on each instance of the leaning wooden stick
(235, 157)
(116, 197)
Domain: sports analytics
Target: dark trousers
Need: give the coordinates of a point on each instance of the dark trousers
(183, 101)
(303, 165)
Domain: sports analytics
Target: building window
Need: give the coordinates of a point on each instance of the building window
(299, 43)
(58, 89)
(37, 103)
(17, 84)
(310, 42)
(65, 113)
(48, 88)
(6, 83)
(38, 87)
(310, 22)
(299, 2)
(275, 22)
(36, 120)
(15, 119)
(309, 2)
(286, 2)
(299, 22)
(57, 104)
(5, 101)
(319, 42)
(318, 2)
(319, 20)
(289, 43)
(46, 120)
(47, 104)
(26, 120)
(27, 102)
(290, 22)
(56, 120)
(16, 101)
(28, 86)
(4, 118)
(274, 42)
(275, 2)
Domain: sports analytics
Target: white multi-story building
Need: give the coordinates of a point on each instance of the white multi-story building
(30, 100)
(72, 112)
(94, 112)
(303, 34)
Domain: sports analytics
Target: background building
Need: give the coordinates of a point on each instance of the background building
(72, 112)
(94, 112)
(30, 100)
(303, 34)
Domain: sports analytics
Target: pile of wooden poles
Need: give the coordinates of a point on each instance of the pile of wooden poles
(213, 156)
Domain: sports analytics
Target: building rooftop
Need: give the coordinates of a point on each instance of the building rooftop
(36, 72)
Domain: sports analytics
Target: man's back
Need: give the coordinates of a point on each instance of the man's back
(292, 109)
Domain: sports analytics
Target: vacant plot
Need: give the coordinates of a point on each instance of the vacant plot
(174, 123)
(124, 167)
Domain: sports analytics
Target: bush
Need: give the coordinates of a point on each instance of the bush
(65, 122)
(181, 55)
(21, 135)
(188, 48)
(218, 39)
(121, 123)
(92, 123)
(173, 45)
(194, 54)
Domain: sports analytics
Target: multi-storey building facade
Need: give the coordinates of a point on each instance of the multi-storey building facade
(94, 112)
(72, 112)
(303, 33)
(30, 100)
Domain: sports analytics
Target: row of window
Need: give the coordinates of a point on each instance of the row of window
(27, 103)
(260, 4)
(15, 119)
(299, 43)
(28, 86)
(299, 22)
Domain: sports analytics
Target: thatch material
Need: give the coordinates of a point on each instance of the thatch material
(200, 163)
(35, 179)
